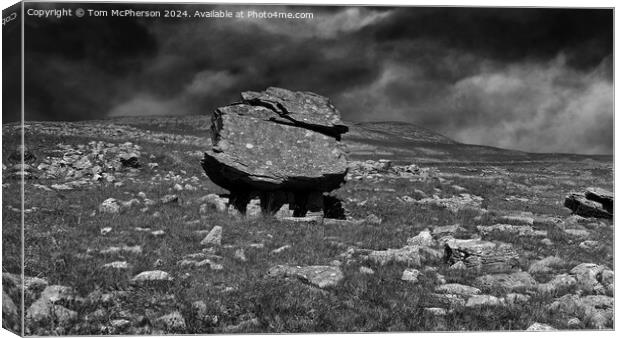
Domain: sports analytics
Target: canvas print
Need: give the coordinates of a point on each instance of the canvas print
(172, 168)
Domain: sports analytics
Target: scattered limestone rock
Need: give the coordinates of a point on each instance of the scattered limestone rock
(435, 311)
(110, 206)
(374, 219)
(447, 230)
(151, 276)
(579, 234)
(590, 277)
(446, 300)
(321, 276)
(119, 265)
(280, 249)
(589, 245)
(213, 202)
(484, 300)
(507, 282)
(171, 322)
(517, 298)
(455, 203)
(540, 327)
(457, 289)
(120, 324)
(240, 255)
(167, 199)
(574, 323)
(410, 275)
(214, 237)
(136, 249)
(558, 285)
(481, 255)
(409, 255)
(526, 218)
(366, 270)
(424, 238)
(546, 265)
(512, 230)
(458, 266)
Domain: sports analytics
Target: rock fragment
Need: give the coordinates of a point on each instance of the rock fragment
(321, 276)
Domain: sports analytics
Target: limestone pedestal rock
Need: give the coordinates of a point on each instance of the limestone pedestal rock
(278, 145)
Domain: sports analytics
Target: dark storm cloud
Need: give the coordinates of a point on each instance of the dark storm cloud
(516, 78)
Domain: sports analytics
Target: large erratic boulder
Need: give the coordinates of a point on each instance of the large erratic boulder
(594, 202)
(281, 146)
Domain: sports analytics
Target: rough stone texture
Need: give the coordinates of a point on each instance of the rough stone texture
(507, 282)
(214, 201)
(516, 298)
(560, 284)
(455, 203)
(279, 145)
(120, 265)
(593, 203)
(424, 238)
(546, 265)
(409, 255)
(593, 278)
(457, 289)
(410, 275)
(45, 309)
(483, 300)
(540, 327)
(321, 276)
(214, 237)
(446, 300)
(481, 255)
(596, 311)
(172, 322)
(110, 206)
(151, 276)
(509, 229)
(602, 196)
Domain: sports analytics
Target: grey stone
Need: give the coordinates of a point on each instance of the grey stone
(151, 276)
(589, 277)
(507, 282)
(546, 265)
(167, 199)
(118, 265)
(410, 275)
(558, 285)
(483, 300)
(457, 289)
(424, 238)
(409, 255)
(318, 275)
(213, 202)
(110, 206)
(580, 204)
(540, 327)
(214, 237)
(171, 322)
(263, 149)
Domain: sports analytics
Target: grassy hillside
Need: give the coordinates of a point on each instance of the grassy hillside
(69, 239)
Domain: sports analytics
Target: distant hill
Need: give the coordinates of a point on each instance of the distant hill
(397, 141)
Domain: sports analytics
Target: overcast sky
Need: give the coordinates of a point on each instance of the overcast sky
(528, 79)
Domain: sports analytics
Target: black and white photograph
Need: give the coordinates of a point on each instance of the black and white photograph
(199, 168)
